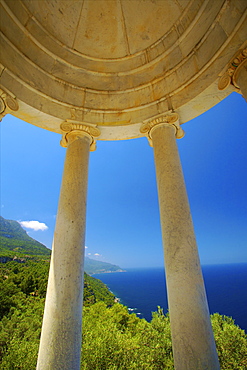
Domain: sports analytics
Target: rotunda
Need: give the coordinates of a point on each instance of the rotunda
(111, 70)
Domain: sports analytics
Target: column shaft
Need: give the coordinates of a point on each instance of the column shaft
(192, 336)
(60, 344)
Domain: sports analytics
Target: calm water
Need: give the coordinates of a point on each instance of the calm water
(142, 290)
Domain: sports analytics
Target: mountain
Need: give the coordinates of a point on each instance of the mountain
(98, 267)
(17, 246)
(15, 241)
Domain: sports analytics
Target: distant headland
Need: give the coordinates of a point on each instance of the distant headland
(98, 267)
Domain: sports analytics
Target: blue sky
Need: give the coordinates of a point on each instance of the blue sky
(123, 224)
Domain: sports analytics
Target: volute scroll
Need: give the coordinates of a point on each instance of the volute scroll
(77, 129)
(161, 120)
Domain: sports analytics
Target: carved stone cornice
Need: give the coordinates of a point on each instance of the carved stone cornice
(229, 77)
(161, 120)
(7, 104)
(78, 129)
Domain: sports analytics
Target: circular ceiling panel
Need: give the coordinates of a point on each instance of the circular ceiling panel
(116, 63)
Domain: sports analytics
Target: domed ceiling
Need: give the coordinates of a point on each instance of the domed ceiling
(116, 63)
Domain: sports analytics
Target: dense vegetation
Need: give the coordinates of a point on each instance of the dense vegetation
(21, 281)
(112, 338)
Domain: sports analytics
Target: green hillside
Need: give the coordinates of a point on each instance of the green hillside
(31, 275)
(112, 337)
(30, 278)
(14, 241)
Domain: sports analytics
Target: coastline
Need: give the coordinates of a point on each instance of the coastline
(145, 289)
(105, 272)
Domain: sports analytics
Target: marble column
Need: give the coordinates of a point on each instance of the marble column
(236, 74)
(192, 337)
(60, 344)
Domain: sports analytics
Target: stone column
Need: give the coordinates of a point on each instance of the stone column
(60, 344)
(236, 74)
(192, 337)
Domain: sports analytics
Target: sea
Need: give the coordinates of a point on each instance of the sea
(142, 290)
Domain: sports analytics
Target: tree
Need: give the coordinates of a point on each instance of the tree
(231, 343)
(7, 297)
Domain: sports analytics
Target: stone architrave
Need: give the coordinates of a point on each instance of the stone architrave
(192, 337)
(60, 344)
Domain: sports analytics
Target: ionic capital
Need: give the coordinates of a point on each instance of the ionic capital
(7, 104)
(229, 76)
(73, 130)
(169, 119)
